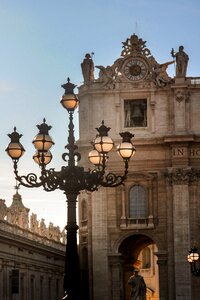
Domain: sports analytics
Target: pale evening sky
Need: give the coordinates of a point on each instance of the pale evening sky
(44, 41)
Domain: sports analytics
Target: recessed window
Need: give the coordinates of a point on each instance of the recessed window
(146, 258)
(135, 113)
(138, 202)
(84, 210)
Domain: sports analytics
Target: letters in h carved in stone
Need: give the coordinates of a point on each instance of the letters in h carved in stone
(181, 152)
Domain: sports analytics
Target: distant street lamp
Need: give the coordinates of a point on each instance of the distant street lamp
(193, 257)
(71, 178)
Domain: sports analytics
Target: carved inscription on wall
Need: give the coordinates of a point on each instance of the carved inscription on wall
(181, 152)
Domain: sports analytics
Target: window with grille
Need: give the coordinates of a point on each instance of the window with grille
(138, 202)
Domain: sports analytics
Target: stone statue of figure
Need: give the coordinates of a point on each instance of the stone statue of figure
(42, 228)
(3, 209)
(34, 223)
(181, 61)
(87, 67)
(138, 286)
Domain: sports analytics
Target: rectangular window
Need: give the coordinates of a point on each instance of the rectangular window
(32, 287)
(15, 281)
(135, 113)
(41, 287)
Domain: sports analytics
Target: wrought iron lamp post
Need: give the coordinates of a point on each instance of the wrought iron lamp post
(192, 258)
(71, 179)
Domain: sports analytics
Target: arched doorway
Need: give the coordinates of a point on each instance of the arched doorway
(138, 252)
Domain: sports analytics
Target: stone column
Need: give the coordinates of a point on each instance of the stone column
(5, 276)
(99, 237)
(123, 201)
(180, 180)
(163, 274)
(1, 281)
(116, 277)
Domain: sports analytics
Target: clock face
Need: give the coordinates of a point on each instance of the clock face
(135, 69)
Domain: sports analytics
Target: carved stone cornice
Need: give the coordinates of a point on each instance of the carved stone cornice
(180, 176)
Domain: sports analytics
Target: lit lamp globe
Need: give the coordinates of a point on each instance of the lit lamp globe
(189, 258)
(126, 149)
(42, 158)
(42, 141)
(95, 157)
(69, 100)
(192, 257)
(15, 149)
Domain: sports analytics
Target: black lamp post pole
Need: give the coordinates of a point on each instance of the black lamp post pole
(72, 269)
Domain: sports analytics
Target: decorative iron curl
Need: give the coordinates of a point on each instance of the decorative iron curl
(50, 180)
(75, 155)
(30, 180)
(113, 180)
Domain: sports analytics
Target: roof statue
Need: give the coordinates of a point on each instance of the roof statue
(181, 61)
(136, 66)
(134, 45)
(87, 67)
(3, 209)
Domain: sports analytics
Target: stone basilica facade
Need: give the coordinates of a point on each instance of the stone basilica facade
(31, 255)
(153, 219)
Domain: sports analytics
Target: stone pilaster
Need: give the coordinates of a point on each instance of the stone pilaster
(180, 113)
(116, 277)
(180, 179)
(1, 281)
(163, 278)
(99, 247)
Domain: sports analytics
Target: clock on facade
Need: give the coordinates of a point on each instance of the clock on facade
(135, 69)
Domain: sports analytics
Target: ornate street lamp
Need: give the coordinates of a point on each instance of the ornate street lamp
(71, 179)
(192, 258)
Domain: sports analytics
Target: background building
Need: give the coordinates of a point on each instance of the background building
(153, 220)
(31, 255)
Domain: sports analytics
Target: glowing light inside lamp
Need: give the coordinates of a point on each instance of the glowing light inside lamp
(95, 157)
(103, 144)
(15, 150)
(43, 142)
(42, 157)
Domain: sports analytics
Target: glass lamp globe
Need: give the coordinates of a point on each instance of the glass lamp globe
(41, 158)
(189, 258)
(95, 157)
(69, 102)
(126, 150)
(103, 144)
(15, 150)
(43, 142)
(194, 256)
